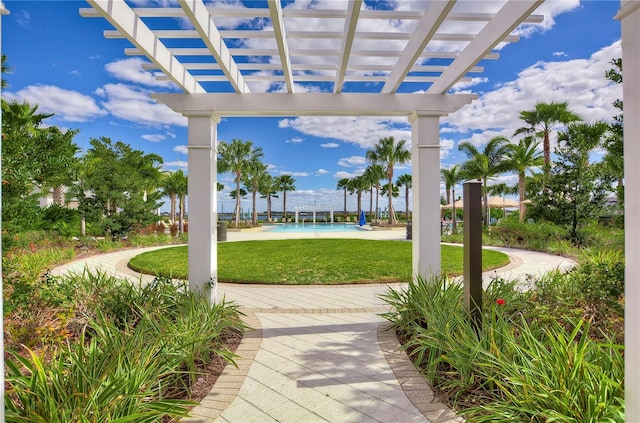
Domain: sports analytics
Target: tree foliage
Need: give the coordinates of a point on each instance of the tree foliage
(575, 191)
(116, 186)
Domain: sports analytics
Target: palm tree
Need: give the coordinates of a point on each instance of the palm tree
(357, 185)
(520, 158)
(268, 190)
(170, 188)
(405, 181)
(375, 172)
(501, 190)
(343, 184)
(182, 189)
(236, 158)
(254, 173)
(451, 177)
(388, 153)
(540, 121)
(485, 164)
(285, 183)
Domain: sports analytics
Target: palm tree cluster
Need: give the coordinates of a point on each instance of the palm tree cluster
(550, 188)
(383, 158)
(245, 161)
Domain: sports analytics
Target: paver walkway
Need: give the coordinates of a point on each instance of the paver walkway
(319, 353)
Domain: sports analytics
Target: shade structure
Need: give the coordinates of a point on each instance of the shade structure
(458, 205)
(496, 202)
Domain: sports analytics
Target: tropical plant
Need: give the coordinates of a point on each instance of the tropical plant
(485, 164)
(451, 177)
(343, 184)
(121, 182)
(540, 122)
(614, 144)
(374, 173)
(252, 177)
(268, 190)
(520, 158)
(170, 183)
(285, 183)
(406, 182)
(357, 185)
(575, 191)
(388, 153)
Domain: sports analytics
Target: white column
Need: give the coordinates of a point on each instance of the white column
(630, 16)
(425, 169)
(296, 215)
(314, 215)
(203, 214)
(331, 216)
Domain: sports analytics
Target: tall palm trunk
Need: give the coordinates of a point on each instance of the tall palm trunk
(392, 218)
(454, 227)
(181, 216)
(521, 194)
(269, 207)
(345, 203)
(237, 211)
(254, 217)
(377, 198)
(58, 195)
(284, 205)
(172, 198)
(406, 202)
(371, 204)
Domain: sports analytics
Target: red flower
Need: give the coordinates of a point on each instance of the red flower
(500, 301)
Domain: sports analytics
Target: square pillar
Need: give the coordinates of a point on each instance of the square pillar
(629, 15)
(425, 169)
(203, 214)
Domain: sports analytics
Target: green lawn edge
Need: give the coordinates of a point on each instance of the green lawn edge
(309, 261)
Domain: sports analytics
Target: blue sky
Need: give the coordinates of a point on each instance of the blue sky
(62, 62)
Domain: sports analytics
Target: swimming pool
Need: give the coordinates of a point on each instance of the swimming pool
(311, 227)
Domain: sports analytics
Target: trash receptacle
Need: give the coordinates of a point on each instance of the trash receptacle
(222, 231)
(409, 230)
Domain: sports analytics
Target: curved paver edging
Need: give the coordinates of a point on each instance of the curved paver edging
(414, 385)
(228, 385)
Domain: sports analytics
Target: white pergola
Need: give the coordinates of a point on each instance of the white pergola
(267, 65)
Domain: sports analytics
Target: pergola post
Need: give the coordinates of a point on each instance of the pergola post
(629, 15)
(203, 214)
(425, 165)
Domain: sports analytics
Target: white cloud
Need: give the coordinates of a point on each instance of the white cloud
(182, 149)
(352, 161)
(549, 9)
(342, 174)
(67, 105)
(298, 174)
(130, 70)
(362, 131)
(134, 104)
(295, 140)
(153, 137)
(75, 72)
(580, 82)
(463, 85)
(330, 145)
(22, 17)
(180, 164)
(321, 172)
(559, 54)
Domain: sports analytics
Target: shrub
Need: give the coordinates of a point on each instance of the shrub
(600, 279)
(60, 219)
(523, 364)
(137, 349)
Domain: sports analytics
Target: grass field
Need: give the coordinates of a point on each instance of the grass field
(309, 261)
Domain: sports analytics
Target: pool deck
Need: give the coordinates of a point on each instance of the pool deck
(319, 353)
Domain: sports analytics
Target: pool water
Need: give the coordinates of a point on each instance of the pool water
(311, 227)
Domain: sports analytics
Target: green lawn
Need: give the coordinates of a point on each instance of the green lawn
(309, 261)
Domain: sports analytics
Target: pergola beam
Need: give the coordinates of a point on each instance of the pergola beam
(123, 18)
(315, 104)
(350, 25)
(505, 21)
(199, 16)
(424, 32)
(275, 10)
